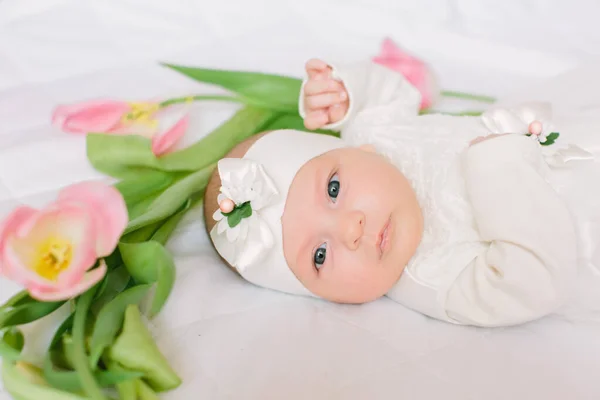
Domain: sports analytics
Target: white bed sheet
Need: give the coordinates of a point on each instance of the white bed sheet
(242, 342)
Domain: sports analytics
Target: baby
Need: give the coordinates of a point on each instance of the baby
(454, 217)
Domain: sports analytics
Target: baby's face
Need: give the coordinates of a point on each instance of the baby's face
(350, 225)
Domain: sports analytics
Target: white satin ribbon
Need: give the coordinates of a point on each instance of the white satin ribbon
(517, 120)
(245, 244)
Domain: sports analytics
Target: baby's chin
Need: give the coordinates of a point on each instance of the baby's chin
(365, 292)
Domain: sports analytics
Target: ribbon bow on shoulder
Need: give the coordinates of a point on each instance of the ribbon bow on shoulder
(241, 234)
(534, 119)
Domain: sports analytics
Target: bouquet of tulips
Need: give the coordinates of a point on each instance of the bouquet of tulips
(98, 250)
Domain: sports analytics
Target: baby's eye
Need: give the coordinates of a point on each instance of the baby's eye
(320, 254)
(333, 187)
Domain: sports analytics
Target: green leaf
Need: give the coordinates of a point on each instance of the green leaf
(276, 92)
(234, 218)
(12, 344)
(80, 360)
(238, 213)
(243, 124)
(25, 382)
(139, 187)
(551, 138)
(294, 121)
(172, 199)
(66, 325)
(120, 155)
(136, 350)
(69, 380)
(246, 210)
(27, 312)
(130, 157)
(110, 320)
(166, 229)
(142, 234)
(150, 262)
(145, 392)
(116, 282)
(126, 389)
(18, 299)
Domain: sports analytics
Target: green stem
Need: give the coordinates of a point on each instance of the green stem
(80, 360)
(468, 96)
(188, 99)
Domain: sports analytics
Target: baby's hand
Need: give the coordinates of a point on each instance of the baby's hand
(325, 99)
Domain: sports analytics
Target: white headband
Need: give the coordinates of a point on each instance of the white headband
(258, 185)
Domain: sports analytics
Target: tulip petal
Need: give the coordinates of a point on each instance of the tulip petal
(70, 224)
(389, 50)
(108, 208)
(88, 280)
(11, 225)
(174, 122)
(413, 69)
(90, 116)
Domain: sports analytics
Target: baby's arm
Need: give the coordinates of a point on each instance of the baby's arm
(332, 96)
(525, 272)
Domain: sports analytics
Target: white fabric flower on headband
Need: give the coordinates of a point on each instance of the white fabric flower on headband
(241, 236)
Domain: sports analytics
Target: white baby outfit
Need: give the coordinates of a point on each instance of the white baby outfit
(500, 244)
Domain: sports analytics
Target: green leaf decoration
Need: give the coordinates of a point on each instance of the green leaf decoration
(238, 213)
(136, 350)
(551, 138)
(272, 91)
(148, 263)
(28, 311)
(110, 320)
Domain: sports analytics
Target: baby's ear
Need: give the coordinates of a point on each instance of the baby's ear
(368, 148)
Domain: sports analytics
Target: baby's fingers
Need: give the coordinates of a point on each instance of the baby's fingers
(316, 67)
(314, 87)
(316, 119)
(325, 100)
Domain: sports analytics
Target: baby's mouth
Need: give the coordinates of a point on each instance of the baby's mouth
(383, 238)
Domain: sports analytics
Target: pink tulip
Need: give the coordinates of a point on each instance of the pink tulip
(163, 125)
(413, 69)
(51, 252)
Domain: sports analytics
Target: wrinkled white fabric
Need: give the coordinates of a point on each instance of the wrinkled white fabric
(501, 224)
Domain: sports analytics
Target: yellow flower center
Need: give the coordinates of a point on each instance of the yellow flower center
(142, 114)
(54, 256)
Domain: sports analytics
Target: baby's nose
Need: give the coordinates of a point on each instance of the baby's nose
(352, 226)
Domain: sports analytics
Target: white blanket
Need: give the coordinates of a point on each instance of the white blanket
(226, 338)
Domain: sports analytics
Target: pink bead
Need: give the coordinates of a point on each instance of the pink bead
(226, 206)
(535, 128)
